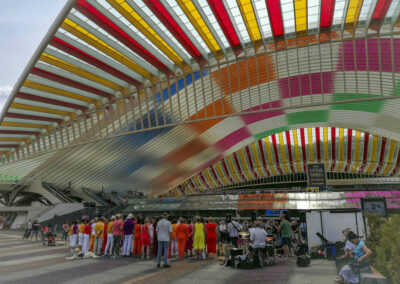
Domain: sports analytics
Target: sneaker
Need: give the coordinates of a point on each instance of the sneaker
(166, 266)
(158, 265)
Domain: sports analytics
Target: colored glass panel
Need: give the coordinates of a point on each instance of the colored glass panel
(162, 14)
(84, 35)
(197, 21)
(224, 21)
(249, 17)
(300, 7)
(126, 10)
(353, 11)
(275, 15)
(327, 9)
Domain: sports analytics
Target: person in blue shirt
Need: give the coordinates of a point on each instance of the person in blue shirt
(361, 254)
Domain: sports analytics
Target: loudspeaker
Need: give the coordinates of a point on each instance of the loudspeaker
(228, 218)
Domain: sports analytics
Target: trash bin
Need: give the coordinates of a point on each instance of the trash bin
(330, 251)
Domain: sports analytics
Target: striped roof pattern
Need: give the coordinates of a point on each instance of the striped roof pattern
(267, 58)
(287, 152)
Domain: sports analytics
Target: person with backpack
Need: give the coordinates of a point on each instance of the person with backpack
(233, 229)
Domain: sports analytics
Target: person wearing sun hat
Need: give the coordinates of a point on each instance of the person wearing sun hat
(361, 254)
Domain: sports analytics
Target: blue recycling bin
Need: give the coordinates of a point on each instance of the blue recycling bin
(330, 251)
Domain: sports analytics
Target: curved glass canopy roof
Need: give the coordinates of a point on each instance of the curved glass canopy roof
(288, 152)
(190, 82)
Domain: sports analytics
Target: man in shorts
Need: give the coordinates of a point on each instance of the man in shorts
(285, 233)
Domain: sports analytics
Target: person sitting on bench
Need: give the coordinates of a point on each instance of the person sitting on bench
(257, 241)
(361, 253)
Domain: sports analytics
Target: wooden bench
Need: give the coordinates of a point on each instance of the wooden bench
(373, 277)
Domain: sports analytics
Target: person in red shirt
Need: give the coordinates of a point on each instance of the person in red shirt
(86, 235)
(211, 236)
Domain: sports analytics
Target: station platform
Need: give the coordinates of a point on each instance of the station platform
(24, 261)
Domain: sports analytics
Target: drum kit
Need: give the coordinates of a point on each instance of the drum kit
(268, 252)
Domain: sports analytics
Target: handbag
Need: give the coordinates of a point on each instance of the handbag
(356, 266)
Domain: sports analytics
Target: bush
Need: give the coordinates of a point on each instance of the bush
(384, 241)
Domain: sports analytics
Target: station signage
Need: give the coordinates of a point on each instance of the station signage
(316, 175)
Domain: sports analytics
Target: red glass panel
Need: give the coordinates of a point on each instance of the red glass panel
(94, 15)
(224, 21)
(381, 9)
(275, 16)
(327, 8)
(162, 14)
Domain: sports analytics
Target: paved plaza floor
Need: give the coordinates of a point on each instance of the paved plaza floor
(26, 262)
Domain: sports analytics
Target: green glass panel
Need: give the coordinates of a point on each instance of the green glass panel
(368, 106)
(307, 116)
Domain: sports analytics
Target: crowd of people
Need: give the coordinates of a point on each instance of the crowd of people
(151, 237)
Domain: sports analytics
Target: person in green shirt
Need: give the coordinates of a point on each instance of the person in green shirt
(285, 233)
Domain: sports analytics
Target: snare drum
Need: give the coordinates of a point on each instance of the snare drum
(244, 235)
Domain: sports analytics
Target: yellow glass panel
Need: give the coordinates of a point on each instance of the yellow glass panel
(300, 7)
(28, 125)
(41, 109)
(296, 150)
(12, 139)
(326, 147)
(44, 88)
(221, 174)
(269, 155)
(232, 168)
(357, 151)
(197, 21)
(310, 144)
(250, 20)
(198, 183)
(244, 165)
(353, 11)
(133, 17)
(78, 71)
(256, 158)
(373, 154)
(209, 178)
(84, 35)
(282, 148)
(390, 158)
(341, 148)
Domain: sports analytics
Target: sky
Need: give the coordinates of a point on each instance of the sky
(23, 24)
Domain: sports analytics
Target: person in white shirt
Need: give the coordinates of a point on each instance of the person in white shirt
(222, 231)
(164, 235)
(258, 236)
(233, 229)
(257, 242)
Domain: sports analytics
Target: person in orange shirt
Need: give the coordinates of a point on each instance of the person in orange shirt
(99, 237)
(137, 246)
(93, 235)
(80, 235)
(174, 241)
(211, 236)
(182, 234)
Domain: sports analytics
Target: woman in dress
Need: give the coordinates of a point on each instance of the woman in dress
(137, 246)
(199, 237)
(145, 240)
(211, 236)
(182, 235)
(361, 254)
(189, 241)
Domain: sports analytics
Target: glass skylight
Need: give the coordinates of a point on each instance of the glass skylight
(237, 20)
(260, 8)
(288, 16)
